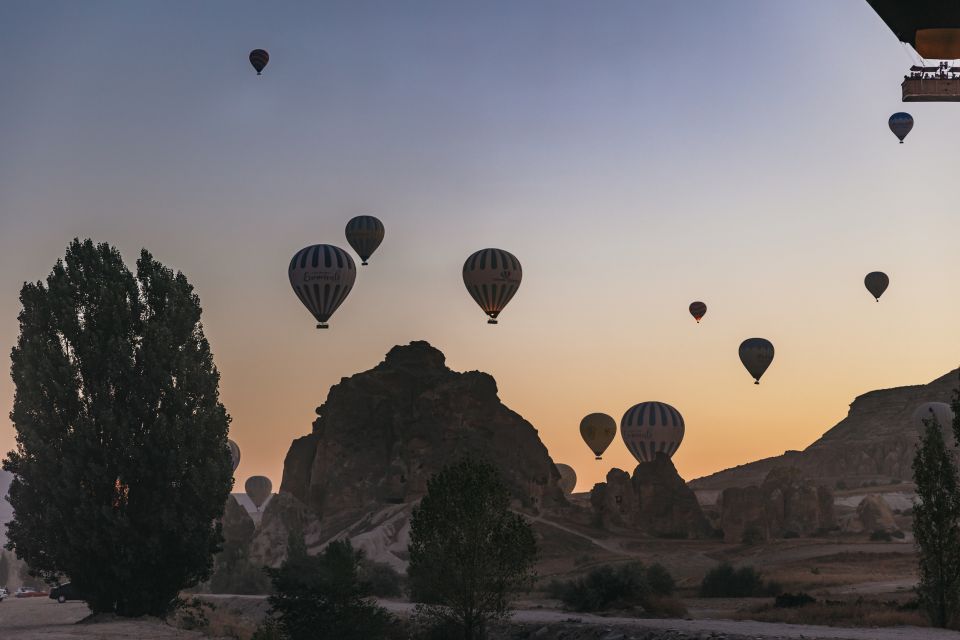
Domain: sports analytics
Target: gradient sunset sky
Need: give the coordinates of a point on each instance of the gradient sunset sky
(634, 155)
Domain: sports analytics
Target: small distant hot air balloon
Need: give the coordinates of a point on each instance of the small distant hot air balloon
(364, 233)
(492, 277)
(698, 310)
(598, 430)
(568, 478)
(322, 276)
(258, 489)
(876, 283)
(259, 59)
(939, 411)
(901, 124)
(650, 428)
(756, 354)
(234, 454)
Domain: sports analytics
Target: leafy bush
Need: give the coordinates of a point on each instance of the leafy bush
(899, 535)
(790, 534)
(381, 579)
(881, 535)
(789, 600)
(752, 536)
(620, 587)
(841, 485)
(723, 581)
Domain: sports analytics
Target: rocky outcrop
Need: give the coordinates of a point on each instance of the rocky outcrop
(655, 500)
(383, 433)
(873, 514)
(282, 515)
(874, 443)
(785, 505)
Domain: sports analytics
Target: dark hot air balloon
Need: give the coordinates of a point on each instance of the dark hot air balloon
(259, 59)
(876, 283)
(322, 276)
(598, 430)
(568, 478)
(901, 124)
(364, 233)
(698, 310)
(234, 454)
(756, 354)
(492, 277)
(650, 428)
(258, 489)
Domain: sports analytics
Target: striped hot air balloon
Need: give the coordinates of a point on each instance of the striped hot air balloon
(364, 233)
(322, 276)
(650, 428)
(941, 412)
(698, 310)
(259, 59)
(568, 478)
(492, 276)
(234, 454)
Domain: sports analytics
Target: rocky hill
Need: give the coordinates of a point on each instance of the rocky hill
(874, 443)
(383, 433)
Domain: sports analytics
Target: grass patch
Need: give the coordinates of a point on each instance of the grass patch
(857, 613)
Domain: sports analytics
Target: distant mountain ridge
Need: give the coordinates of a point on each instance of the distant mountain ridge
(874, 443)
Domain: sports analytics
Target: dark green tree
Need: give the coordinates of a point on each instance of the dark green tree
(121, 465)
(321, 597)
(469, 553)
(4, 569)
(936, 516)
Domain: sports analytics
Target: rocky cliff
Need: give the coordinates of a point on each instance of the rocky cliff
(383, 433)
(655, 501)
(785, 505)
(874, 443)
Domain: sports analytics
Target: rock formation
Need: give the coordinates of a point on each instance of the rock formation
(282, 515)
(873, 514)
(874, 443)
(655, 500)
(383, 433)
(785, 505)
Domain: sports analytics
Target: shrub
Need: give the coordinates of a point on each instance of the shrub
(881, 535)
(752, 536)
(841, 485)
(899, 535)
(723, 581)
(621, 587)
(790, 534)
(381, 579)
(790, 600)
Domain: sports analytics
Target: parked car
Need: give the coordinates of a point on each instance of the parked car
(28, 592)
(65, 592)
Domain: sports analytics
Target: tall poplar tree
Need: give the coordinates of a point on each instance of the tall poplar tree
(121, 465)
(936, 521)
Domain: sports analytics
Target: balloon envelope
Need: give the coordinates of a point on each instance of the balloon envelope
(322, 276)
(939, 411)
(259, 59)
(598, 430)
(364, 233)
(901, 124)
(650, 428)
(258, 489)
(568, 478)
(756, 354)
(492, 277)
(698, 310)
(876, 283)
(234, 454)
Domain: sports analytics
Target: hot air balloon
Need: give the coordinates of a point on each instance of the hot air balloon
(364, 233)
(322, 276)
(492, 276)
(876, 283)
(756, 354)
(258, 489)
(598, 430)
(698, 310)
(901, 124)
(259, 59)
(939, 411)
(234, 453)
(650, 428)
(568, 478)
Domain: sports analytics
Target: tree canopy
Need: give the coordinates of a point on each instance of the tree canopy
(121, 465)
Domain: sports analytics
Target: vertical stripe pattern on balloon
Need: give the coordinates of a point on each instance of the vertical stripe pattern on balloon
(492, 277)
(322, 276)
